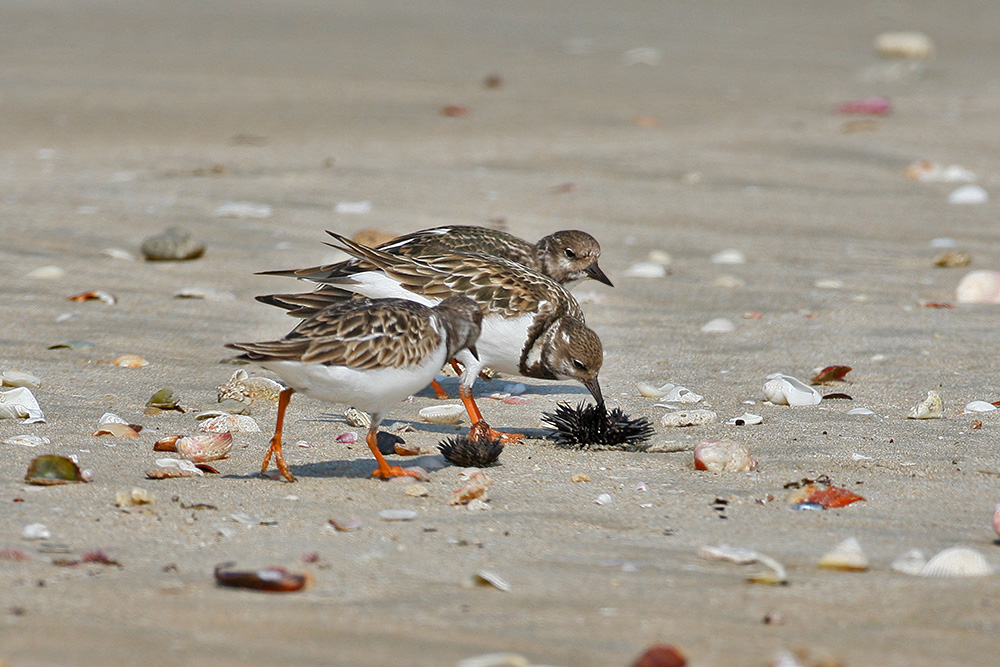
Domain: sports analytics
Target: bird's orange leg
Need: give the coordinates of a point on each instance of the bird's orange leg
(439, 390)
(275, 448)
(480, 429)
(384, 470)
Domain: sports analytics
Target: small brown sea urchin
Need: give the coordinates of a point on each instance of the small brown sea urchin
(594, 427)
(468, 453)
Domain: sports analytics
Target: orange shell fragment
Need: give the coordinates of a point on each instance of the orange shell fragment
(829, 497)
(831, 374)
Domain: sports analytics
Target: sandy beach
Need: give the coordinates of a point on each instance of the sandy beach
(669, 131)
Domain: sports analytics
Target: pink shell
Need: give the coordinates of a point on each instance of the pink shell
(203, 448)
(347, 437)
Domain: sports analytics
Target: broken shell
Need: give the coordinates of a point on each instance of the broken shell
(718, 325)
(20, 403)
(912, 562)
(46, 273)
(27, 440)
(830, 496)
(979, 287)
(449, 413)
(830, 374)
(649, 391)
(19, 379)
(913, 45)
(729, 256)
(95, 295)
(347, 525)
(746, 419)
(928, 171)
(357, 418)
(723, 456)
(671, 393)
(859, 411)
(848, 556)
(786, 390)
(167, 443)
(206, 293)
(36, 531)
(957, 562)
(51, 469)
(397, 515)
(241, 386)
(416, 490)
(134, 497)
(952, 259)
(271, 579)
(204, 448)
(183, 467)
(688, 418)
(979, 406)
(646, 270)
(931, 407)
(117, 430)
(490, 578)
(164, 399)
(661, 655)
(476, 487)
(129, 361)
(229, 424)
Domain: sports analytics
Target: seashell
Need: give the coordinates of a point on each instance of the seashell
(504, 659)
(46, 273)
(951, 259)
(72, 345)
(110, 418)
(448, 413)
(682, 418)
(175, 244)
(241, 386)
(271, 579)
(969, 194)
(416, 490)
(723, 456)
(347, 437)
(661, 655)
(830, 374)
(679, 394)
(20, 379)
(183, 465)
(205, 448)
(475, 487)
(119, 254)
(909, 44)
(729, 256)
(243, 210)
(649, 391)
(746, 419)
(859, 411)
(738, 555)
(604, 499)
(347, 525)
(362, 207)
(164, 399)
(397, 515)
(646, 270)
(718, 325)
(785, 390)
(931, 407)
(932, 172)
(117, 430)
(957, 562)
(979, 406)
(20, 403)
(229, 424)
(129, 361)
(357, 418)
(912, 562)
(134, 497)
(51, 469)
(27, 440)
(95, 295)
(996, 519)
(848, 556)
(490, 578)
(827, 496)
(167, 443)
(979, 287)
(36, 531)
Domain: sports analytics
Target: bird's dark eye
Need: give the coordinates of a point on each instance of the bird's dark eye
(569, 253)
(579, 365)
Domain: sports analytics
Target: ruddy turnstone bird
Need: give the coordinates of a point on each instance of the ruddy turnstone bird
(368, 353)
(532, 326)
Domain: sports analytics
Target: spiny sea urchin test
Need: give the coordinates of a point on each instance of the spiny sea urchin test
(594, 427)
(471, 453)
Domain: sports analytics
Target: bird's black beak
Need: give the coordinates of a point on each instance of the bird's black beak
(472, 351)
(595, 388)
(594, 271)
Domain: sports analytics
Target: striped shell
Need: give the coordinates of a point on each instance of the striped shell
(957, 562)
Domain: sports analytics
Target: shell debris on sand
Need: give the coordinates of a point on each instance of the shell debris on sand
(775, 574)
(19, 379)
(205, 448)
(227, 423)
(475, 487)
(683, 418)
(957, 562)
(723, 456)
(931, 407)
(241, 386)
(447, 413)
(979, 287)
(847, 556)
(783, 389)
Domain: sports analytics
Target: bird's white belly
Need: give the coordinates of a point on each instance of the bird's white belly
(501, 341)
(370, 390)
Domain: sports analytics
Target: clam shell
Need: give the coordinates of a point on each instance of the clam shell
(449, 413)
(229, 424)
(848, 555)
(51, 469)
(746, 419)
(27, 440)
(979, 287)
(957, 562)
(19, 379)
(718, 325)
(931, 407)
(204, 448)
(785, 390)
(979, 406)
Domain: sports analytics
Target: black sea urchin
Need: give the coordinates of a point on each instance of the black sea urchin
(594, 427)
(468, 453)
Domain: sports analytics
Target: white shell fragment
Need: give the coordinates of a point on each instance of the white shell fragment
(110, 418)
(746, 419)
(243, 210)
(996, 519)
(353, 207)
(204, 448)
(786, 390)
(847, 556)
(397, 515)
(36, 531)
(27, 440)
(979, 287)
(229, 423)
(910, 44)
(741, 556)
(859, 411)
(357, 418)
(490, 578)
(46, 273)
(718, 325)
(688, 418)
(926, 171)
(723, 456)
(241, 387)
(181, 464)
(969, 194)
(912, 562)
(931, 407)
(678, 394)
(957, 562)
(207, 293)
(604, 499)
(20, 403)
(448, 413)
(20, 379)
(646, 270)
(979, 406)
(729, 256)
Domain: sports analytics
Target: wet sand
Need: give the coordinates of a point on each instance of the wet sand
(117, 122)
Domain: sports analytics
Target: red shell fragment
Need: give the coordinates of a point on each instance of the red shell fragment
(936, 304)
(166, 444)
(830, 496)
(456, 111)
(269, 579)
(831, 374)
(875, 105)
(661, 655)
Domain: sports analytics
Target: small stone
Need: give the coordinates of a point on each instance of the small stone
(46, 273)
(603, 499)
(682, 418)
(175, 244)
(580, 477)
